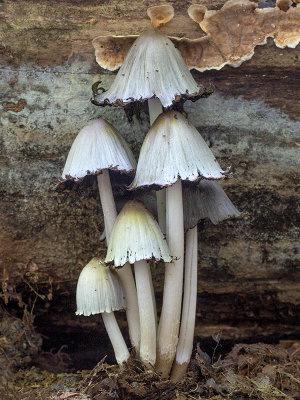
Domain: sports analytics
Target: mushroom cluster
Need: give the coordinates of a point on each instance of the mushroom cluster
(176, 162)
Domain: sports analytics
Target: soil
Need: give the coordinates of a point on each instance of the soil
(249, 371)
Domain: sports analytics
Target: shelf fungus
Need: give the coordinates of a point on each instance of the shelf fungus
(160, 15)
(231, 35)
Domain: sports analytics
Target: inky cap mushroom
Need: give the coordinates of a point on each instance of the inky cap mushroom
(98, 290)
(97, 147)
(173, 149)
(153, 67)
(136, 236)
(206, 200)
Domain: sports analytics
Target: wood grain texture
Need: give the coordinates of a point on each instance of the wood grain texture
(248, 269)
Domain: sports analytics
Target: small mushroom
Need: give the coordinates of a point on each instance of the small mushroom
(160, 15)
(99, 291)
(136, 238)
(173, 150)
(97, 149)
(206, 200)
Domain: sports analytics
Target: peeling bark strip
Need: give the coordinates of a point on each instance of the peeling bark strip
(232, 34)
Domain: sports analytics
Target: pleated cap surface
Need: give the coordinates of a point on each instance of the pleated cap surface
(98, 146)
(98, 290)
(153, 67)
(206, 200)
(173, 149)
(136, 236)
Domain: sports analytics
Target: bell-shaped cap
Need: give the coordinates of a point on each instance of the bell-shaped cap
(98, 290)
(153, 67)
(136, 236)
(206, 200)
(173, 149)
(98, 146)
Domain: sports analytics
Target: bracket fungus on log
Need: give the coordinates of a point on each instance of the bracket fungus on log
(160, 15)
(232, 33)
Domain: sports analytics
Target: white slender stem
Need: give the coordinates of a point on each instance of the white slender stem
(161, 209)
(107, 202)
(187, 327)
(116, 337)
(125, 273)
(155, 108)
(153, 296)
(132, 309)
(146, 311)
(172, 297)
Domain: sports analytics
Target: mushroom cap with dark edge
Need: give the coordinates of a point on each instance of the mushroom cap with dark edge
(153, 67)
(98, 146)
(208, 200)
(173, 149)
(136, 236)
(98, 290)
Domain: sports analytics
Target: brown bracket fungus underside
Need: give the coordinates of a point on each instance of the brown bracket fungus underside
(232, 33)
(160, 15)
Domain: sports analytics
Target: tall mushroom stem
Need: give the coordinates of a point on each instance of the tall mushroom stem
(107, 202)
(155, 108)
(125, 273)
(187, 327)
(146, 311)
(116, 337)
(132, 309)
(172, 297)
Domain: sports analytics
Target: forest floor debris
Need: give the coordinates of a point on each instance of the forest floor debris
(250, 371)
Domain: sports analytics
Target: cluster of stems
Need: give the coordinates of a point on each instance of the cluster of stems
(157, 347)
(167, 345)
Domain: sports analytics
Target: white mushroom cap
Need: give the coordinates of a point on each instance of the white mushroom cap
(173, 149)
(136, 236)
(98, 290)
(153, 67)
(206, 200)
(98, 146)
